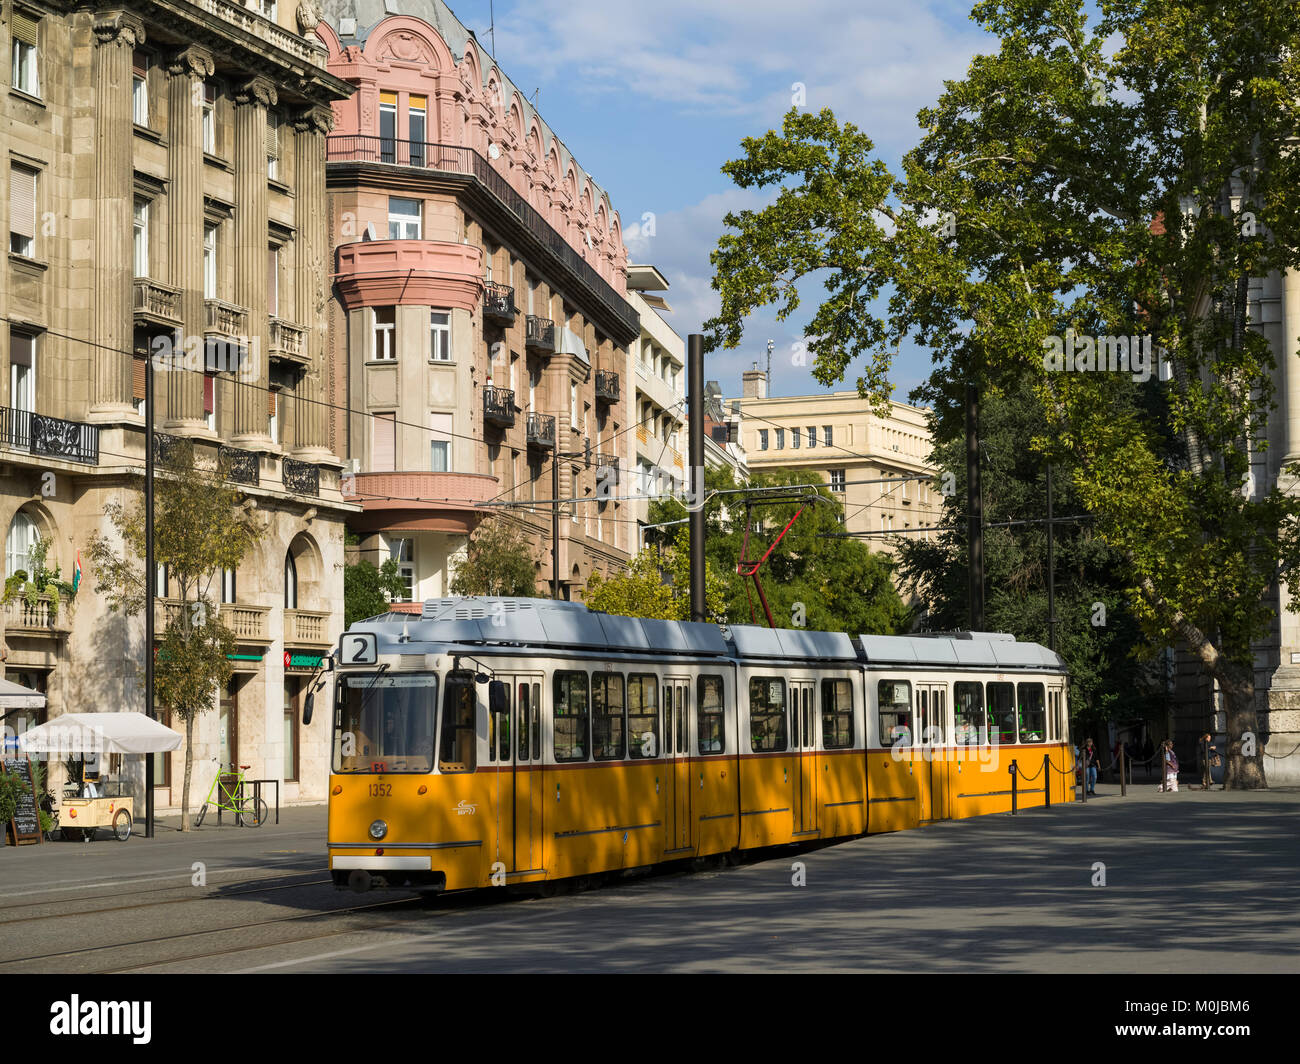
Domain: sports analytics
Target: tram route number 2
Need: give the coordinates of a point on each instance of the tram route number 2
(358, 648)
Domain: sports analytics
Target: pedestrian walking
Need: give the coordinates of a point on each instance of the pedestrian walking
(1208, 755)
(1091, 763)
(1170, 760)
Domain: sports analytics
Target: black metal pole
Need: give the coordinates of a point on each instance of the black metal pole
(695, 426)
(148, 584)
(1051, 569)
(974, 511)
(555, 524)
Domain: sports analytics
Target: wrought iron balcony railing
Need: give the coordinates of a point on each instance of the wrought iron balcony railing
(499, 407)
(243, 464)
(49, 436)
(606, 386)
(499, 302)
(607, 471)
(540, 334)
(541, 430)
(457, 159)
(301, 478)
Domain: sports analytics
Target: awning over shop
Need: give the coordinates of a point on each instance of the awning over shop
(99, 733)
(15, 696)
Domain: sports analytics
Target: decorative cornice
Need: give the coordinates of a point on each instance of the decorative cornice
(314, 120)
(194, 61)
(116, 26)
(259, 90)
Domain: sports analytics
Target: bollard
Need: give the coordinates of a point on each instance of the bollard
(1014, 775)
(1083, 778)
(1123, 778)
(1047, 781)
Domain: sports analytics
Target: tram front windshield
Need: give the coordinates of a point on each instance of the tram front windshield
(385, 723)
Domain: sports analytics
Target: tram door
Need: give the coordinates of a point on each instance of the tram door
(525, 826)
(678, 800)
(931, 766)
(805, 760)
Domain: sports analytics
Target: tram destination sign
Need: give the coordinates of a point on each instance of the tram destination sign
(25, 825)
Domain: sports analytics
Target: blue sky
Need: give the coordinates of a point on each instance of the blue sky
(654, 98)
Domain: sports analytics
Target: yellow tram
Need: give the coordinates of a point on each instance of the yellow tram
(492, 742)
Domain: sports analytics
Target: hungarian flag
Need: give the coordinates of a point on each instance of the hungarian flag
(76, 574)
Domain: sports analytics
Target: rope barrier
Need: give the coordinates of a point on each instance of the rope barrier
(1028, 779)
(1279, 757)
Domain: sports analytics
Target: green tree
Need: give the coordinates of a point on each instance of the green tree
(817, 577)
(368, 589)
(201, 527)
(657, 584)
(1124, 179)
(498, 561)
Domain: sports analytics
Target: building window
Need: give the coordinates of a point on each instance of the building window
(140, 238)
(762, 439)
(209, 119)
(22, 373)
(383, 450)
(273, 282)
(388, 127)
(268, 10)
(291, 686)
(140, 88)
(22, 538)
(440, 443)
(403, 219)
(272, 144)
(826, 436)
(780, 440)
(837, 480)
(440, 336)
(290, 583)
(210, 401)
(573, 405)
(416, 110)
(385, 331)
(209, 262)
(24, 28)
(812, 436)
(402, 551)
(22, 210)
(160, 581)
(794, 439)
(228, 589)
(273, 401)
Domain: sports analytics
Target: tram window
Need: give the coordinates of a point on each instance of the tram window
(1033, 715)
(681, 717)
(837, 714)
(643, 716)
(767, 724)
(607, 716)
(1002, 712)
(896, 712)
(536, 728)
(571, 716)
(968, 713)
(499, 731)
(524, 709)
(459, 744)
(711, 721)
(385, 723)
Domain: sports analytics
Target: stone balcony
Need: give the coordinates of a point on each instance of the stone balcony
(250, 624)
(155, 303)
(35, 618)
(225, 320)
(287, 342)
(420, 500)
(307, 628)
(433, 273)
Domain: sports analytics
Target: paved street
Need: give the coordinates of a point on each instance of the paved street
(1194, 882)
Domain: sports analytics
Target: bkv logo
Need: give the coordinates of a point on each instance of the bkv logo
(465, 807)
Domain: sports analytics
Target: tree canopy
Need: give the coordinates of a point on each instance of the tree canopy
(498, 561)
(1087, 191)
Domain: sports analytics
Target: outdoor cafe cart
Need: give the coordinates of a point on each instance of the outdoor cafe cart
(79, 734)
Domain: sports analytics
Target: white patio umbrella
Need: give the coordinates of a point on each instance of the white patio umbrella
(100, 733)
(16, 696)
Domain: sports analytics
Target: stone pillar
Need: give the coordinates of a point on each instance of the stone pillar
(311, 266)
(185, 223)
(252, 99)
(117, 33)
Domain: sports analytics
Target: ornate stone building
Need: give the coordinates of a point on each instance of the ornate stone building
(480, 326)
(165, 185)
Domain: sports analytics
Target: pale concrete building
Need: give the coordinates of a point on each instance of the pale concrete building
(481, 326)
(836, 438)
(165, 186)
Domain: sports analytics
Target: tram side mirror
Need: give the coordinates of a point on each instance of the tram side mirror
(497, 702)
(308, 704)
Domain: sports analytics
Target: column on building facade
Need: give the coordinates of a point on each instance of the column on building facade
(252, 100)
(1291, 362)
(117, 33)
(311, 250)
(186, 73)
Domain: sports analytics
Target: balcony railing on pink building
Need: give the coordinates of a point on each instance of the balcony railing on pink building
(456, 159)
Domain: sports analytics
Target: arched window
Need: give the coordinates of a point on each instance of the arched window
(22, 537)
(290, 583)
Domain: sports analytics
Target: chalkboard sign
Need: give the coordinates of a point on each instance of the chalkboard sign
(26, 823)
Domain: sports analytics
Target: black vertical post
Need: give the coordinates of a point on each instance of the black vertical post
(1014, 776)
(1123, 776)
(555, 519)
(695, 426)
(1047, 781)
(1051, 568)
(149, 574)
(974, 511)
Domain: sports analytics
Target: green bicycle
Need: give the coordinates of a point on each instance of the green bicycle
(227, 792)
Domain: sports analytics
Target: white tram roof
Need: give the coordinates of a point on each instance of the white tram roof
(753, 641)
(984, 649)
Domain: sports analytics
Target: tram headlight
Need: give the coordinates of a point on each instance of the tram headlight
(378, 829)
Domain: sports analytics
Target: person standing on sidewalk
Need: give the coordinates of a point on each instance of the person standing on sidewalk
(1170, 761)
(1208, 755)
(1090, 763)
